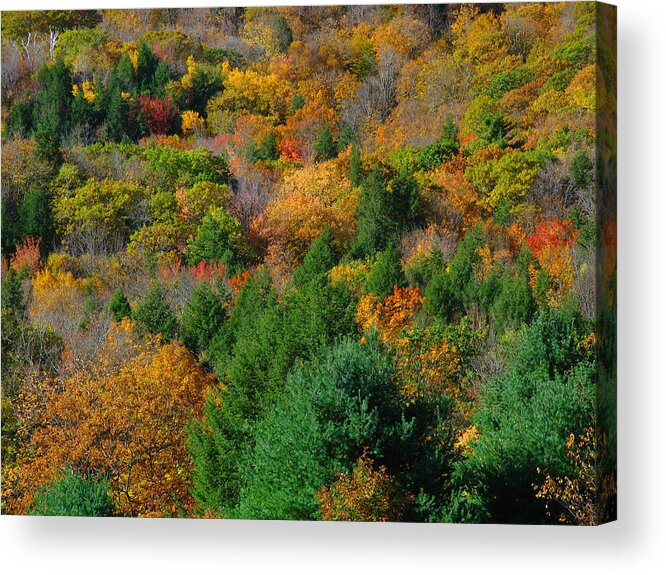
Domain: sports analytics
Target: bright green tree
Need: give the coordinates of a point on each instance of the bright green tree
(218, 239)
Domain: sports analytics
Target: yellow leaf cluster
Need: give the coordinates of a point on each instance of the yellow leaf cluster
(123, 417)
(310, 200)
(557, 262)
(352, 274)
(253, 91)
(192, 122)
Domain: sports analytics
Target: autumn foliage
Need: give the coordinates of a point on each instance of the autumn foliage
(365, 494)
(329, 262)
(121, 419)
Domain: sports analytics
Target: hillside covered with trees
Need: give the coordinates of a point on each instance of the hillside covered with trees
(331, 263)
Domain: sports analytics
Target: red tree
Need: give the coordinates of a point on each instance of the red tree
(158, 113)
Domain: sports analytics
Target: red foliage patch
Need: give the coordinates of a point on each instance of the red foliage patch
(205, 271)
(26, 256)
(552, 233)
(158, 113)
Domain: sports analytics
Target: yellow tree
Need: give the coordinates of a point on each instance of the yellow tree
(123, 417)
(310, 200)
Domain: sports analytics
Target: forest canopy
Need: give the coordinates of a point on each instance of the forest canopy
(301, 263)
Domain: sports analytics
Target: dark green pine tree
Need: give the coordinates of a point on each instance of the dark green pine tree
(51, 112)
(161, 78)
(36, 219)
(374, 226)
(117, 116)
(386, 273)
(147, 64)
(154, 315)
(325, 148)
(319, 259)
(202, 317)
(119, 306)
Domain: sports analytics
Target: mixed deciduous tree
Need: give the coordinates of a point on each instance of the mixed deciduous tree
(123, 418)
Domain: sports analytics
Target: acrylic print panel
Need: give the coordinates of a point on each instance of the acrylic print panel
(351, 263)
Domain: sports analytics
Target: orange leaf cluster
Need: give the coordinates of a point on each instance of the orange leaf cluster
(26, 256)
(365, 495)
(391, 316)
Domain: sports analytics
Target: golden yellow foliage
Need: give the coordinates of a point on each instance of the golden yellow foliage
(253, 91)
(310, 200)
(391, 316)
(192, 122)
(557, 262)
(123, 417)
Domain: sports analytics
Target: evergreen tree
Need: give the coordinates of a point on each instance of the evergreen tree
(355, 168)
(36, 219)
(19, 119)
(202, 318)
(161, 78)
(333, 409)
(252, 353)
(51, 112)
(385, 208)
(453, 288)
(283, 32)
(325, 148)
(117, 116)
(154, 315)
(268, 148)
(443, 149)
(218, 239)
(119, 307)
(525, 415)
(13, 299)
(319, 259)
(347, 137)
(147, 64)
(374, 227)
(386, 273)
(124, 76)
(71, 495)
(297, 103)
